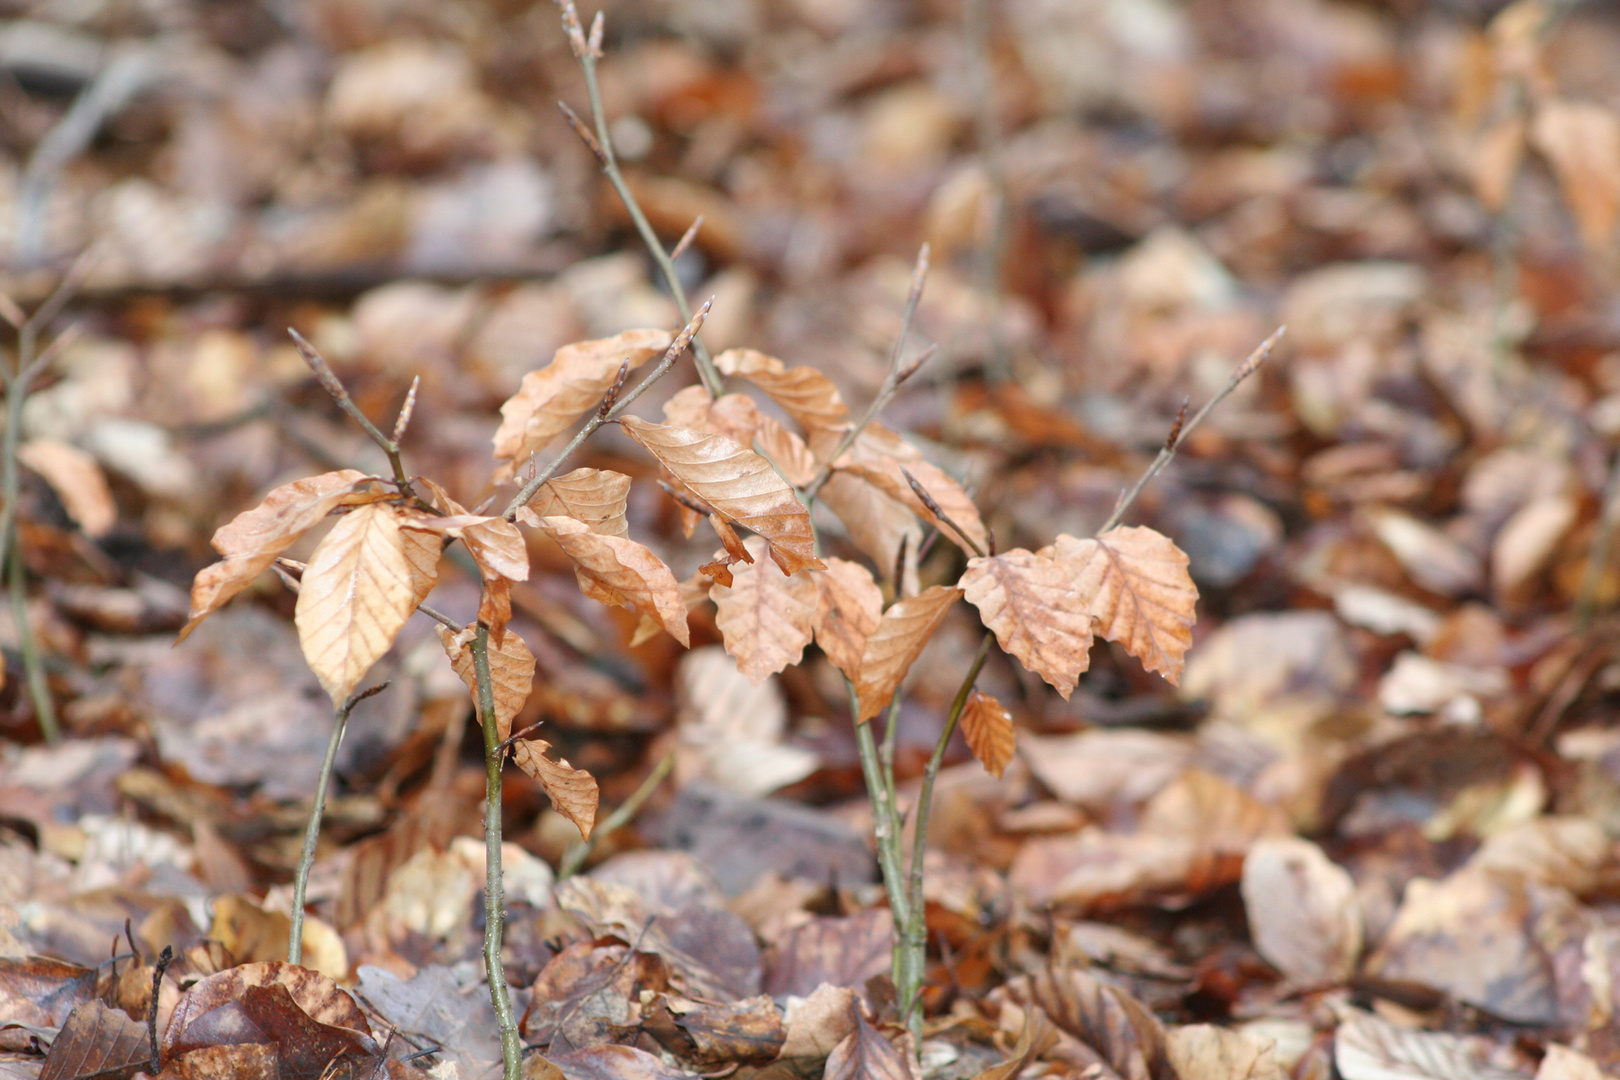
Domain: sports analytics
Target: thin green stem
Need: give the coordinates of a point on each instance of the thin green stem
(39, 690)
(885, 817)
(494, 882)
(573, 859)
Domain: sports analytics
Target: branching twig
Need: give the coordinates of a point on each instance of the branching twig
(334, 387)
(588, 50)
(574, 858)
(312, 831)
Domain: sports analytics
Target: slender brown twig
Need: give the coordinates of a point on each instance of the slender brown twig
(335, 388)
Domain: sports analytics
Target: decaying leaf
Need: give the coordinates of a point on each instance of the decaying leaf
(98, 1041)
(553, 398)
(356, 594)
(251, 541)
(1582, 140)
(1302, 910)
(1135, 583)
(849, 606)
(765, 616)
(1037, 613)
(894, 645)
(596, 497)
(77, 480)
(988, 728)
(738, 483)
(1207, 1052)
(804, 393)
(866, 1055)
(616, 570)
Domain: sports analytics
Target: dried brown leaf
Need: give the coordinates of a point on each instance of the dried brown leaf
(357, 592)
(77, 480)
(511, 672)
(251, 541)
(848, 608)
(896, 643)
(1366, 1047)
(738, 483)
(765, 616)
(618, 571)
(866, 1055)
(494, 543)
(1036, 612)
(1112, 1024)
(1303, 914)
(1207, 1052)
(804, 393)
(988, 728)
(317, 996)
(880, 526)
(1582, 141)
(596, 497)
(737, 417)
(882, 458)
(100, 1042)
(550, 400)
(573, 792)
(1136, 585)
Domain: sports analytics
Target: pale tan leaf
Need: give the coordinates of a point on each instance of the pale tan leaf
(573, 792)
(882, 458)
(1036, 613)
(765, 616)
(618, 571)
(1528, 540)
(1496, 160)
(1562, 1063)
(422, 551)
(880, 526)
(595, 496)
(896, 643)
(494, 543)
(356, 594)
(1582, 141)
(1302, 908)
(737, 417)
(1367, 1047)
(1135, 583)
(253, 539)
(988, 728)
(77, 480)
(731, 730)
(804, 393)
(849, 606)
(1207, 1052)
(511, 672)
(552, 399)
(739, 484)
(694, 591)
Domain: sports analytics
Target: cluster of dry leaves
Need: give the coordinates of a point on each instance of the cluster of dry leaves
(1370, 833)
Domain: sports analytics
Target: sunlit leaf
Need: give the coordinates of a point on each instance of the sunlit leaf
(895, 644)
(1135, 583)
(804, 393)
(1036, 613)
(596, 497)
(765, 616)
(737, 418)
(618, 571)
(988, 728)
(849, 607)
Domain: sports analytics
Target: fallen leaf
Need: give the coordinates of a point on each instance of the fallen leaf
(891, 648)
(356, 594)
(1432, 559)
(1562, 1063)
(739, 484)
(988, 728)
(1582, 141)
(613, 1062)
(1108, 1022)
(849, 606)
(730, 728)
(553, 398)
(1528, 540)
(829, 951)
(100, 1042)
(1035, 611)
(596, 497)
(1207, 1052)
(1302, 910)
(866, 1055)
(1368, 1048)
(618, 571)
(765, 616)
(1496, 159)
(77, 480)
(1135, 583)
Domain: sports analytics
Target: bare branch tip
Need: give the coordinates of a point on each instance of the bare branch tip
(406, 410)
(686, 239)
(595, 42)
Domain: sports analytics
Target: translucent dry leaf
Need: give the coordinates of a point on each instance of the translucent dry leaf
(849, 605)
(765, 617)
(1302, 909)
(988, 728)
(737, 417)
(882, 458)
(356, 594)
(895, 644)
(494, 543)
(1136, 585)
(251, 541)
(1036, 612)
(1207, 1052)
(77, 480)
(596, 497)
(552, 399)
(1582, 141)
(881, 527)
(422, 551)
(804, 393)
(620, 572)
(739, 484)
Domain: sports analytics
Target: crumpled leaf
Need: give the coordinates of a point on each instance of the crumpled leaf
(551, 399)
(766, 617)
(596, 497)
(1135, 583)
(988, 728)
(1111, 1024)
(356, 594)
(618, 571)
(1035, 610)
(848, 608)
(895, 644)
(251, 541)
(740, 485)
(737, 417)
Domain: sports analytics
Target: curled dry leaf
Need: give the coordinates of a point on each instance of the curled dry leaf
(765, 616)
(1302, 908)
(618, 571)
(880, 526)
(1036, 612)
(253, 539)
(849, 605)
(596, 497)
(321, 999)
(1112, 1024)
(77, 480)
(740, 485)
(895, 644)
(737, 417)
(988, 728)
(100, 1042)
(882, 458)
(357, 592)
(551, 399)
(1136, 585)
(804, 393)
(573, 792)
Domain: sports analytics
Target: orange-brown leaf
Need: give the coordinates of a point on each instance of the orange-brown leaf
(251, 541)
(511, 671)
(804, 393)
(849, 607)
(595, 496)
(616, 570)
(988, 728)
(882, 458)
(765, 616)
(895, 644)
(550, 400)
(573, 792)
(880, 526)
(1582, 140)
(77, 480)
(739, 484)
(1036, 612)
(356, 594)
(1135, 582)
(494, 543)
(737, 417)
